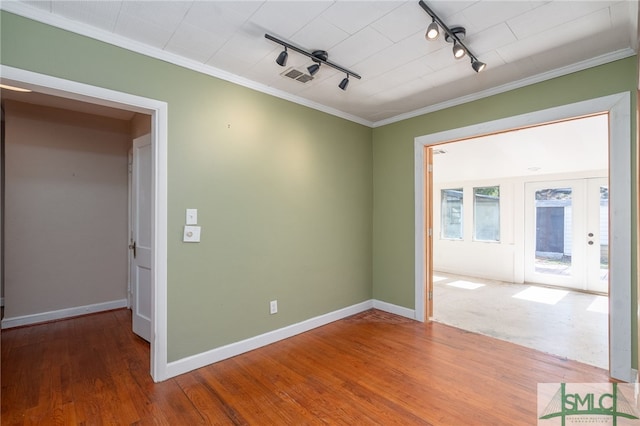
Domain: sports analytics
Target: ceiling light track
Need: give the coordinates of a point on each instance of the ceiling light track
(318, 56)
(453, 35)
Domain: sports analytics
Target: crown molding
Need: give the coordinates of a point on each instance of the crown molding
(558, 72)
(40, 15)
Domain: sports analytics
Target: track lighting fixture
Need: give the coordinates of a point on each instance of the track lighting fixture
(433, 32)
(313, 69)
(282, 57)
(319, 57)
(477, 65)
(458, 51)
(453, 35)
(344, 83)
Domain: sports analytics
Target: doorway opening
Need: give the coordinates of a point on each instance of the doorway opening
(66, 89)
(511, 216)
(617, 107)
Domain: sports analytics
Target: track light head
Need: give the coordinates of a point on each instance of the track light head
(458, 51)
(433, 31)
(313, 69)
(455, 35)
(282, 58)
(344, 83)
(319, 57)
(477, 65)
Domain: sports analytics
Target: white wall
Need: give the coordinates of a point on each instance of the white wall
(66, 209)
(502, 260)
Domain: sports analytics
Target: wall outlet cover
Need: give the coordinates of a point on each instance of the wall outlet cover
(191, 234)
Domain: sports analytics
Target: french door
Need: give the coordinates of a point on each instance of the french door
(567, 233)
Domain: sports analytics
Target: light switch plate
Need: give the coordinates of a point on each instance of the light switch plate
(192, 216)
(191, 234)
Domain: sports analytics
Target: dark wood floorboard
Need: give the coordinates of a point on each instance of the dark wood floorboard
(372, 368)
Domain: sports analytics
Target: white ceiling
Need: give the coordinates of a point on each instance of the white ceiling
(402, 73)
(571, 146)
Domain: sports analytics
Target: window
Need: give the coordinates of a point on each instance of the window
(486, 212)
(451, 216)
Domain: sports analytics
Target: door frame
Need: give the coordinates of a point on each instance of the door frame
(618, 106)
(159, 123)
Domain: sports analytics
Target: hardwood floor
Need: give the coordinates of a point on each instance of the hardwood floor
(372, 368)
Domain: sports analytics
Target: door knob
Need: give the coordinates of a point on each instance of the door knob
(590, 234)
(132, 246)
(590, 243)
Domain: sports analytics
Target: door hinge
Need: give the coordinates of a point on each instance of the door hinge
(430, 294)
(430, 168)
(430, 233)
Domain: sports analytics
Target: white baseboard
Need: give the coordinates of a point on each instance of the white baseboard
(394, 309)
(62, 313)
(193, 362)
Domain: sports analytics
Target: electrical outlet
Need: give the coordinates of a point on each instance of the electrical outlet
(273, 307)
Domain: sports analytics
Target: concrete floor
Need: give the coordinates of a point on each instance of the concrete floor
(559, 321)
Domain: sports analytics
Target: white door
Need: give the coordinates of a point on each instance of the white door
(566, 225)
(140, 238)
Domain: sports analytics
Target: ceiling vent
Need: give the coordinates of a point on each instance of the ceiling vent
(297, 75)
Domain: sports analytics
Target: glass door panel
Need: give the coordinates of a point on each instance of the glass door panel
(553, 242)
(553, 225)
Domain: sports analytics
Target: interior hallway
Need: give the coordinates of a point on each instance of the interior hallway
(557, 321)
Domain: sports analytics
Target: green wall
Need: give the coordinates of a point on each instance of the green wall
(393, 166)
(283, 192)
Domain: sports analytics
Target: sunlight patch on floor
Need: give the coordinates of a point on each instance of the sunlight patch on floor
(467, 285)
(438, 278)
(600, 304)
(541, 295)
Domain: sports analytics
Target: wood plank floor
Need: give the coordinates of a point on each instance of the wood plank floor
(372, 368)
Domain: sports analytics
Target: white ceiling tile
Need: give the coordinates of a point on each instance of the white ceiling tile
(445, 9)
(443, 57)
(405, 91)
(408, 72)
(396, 55)
(219, 17)
(194, 43)
(623, 16)
(578, 50)
(167, 14)
(575, 30)
(319, 34)
(402, 22)
(242, 51)
(352, 16)
(552, 15)
(249, 46)
(483, 15)
(456, 70)
(490, 39)
(359, 47)
(285, 18)
(100, 14)
(143, 31)
(40, 4)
